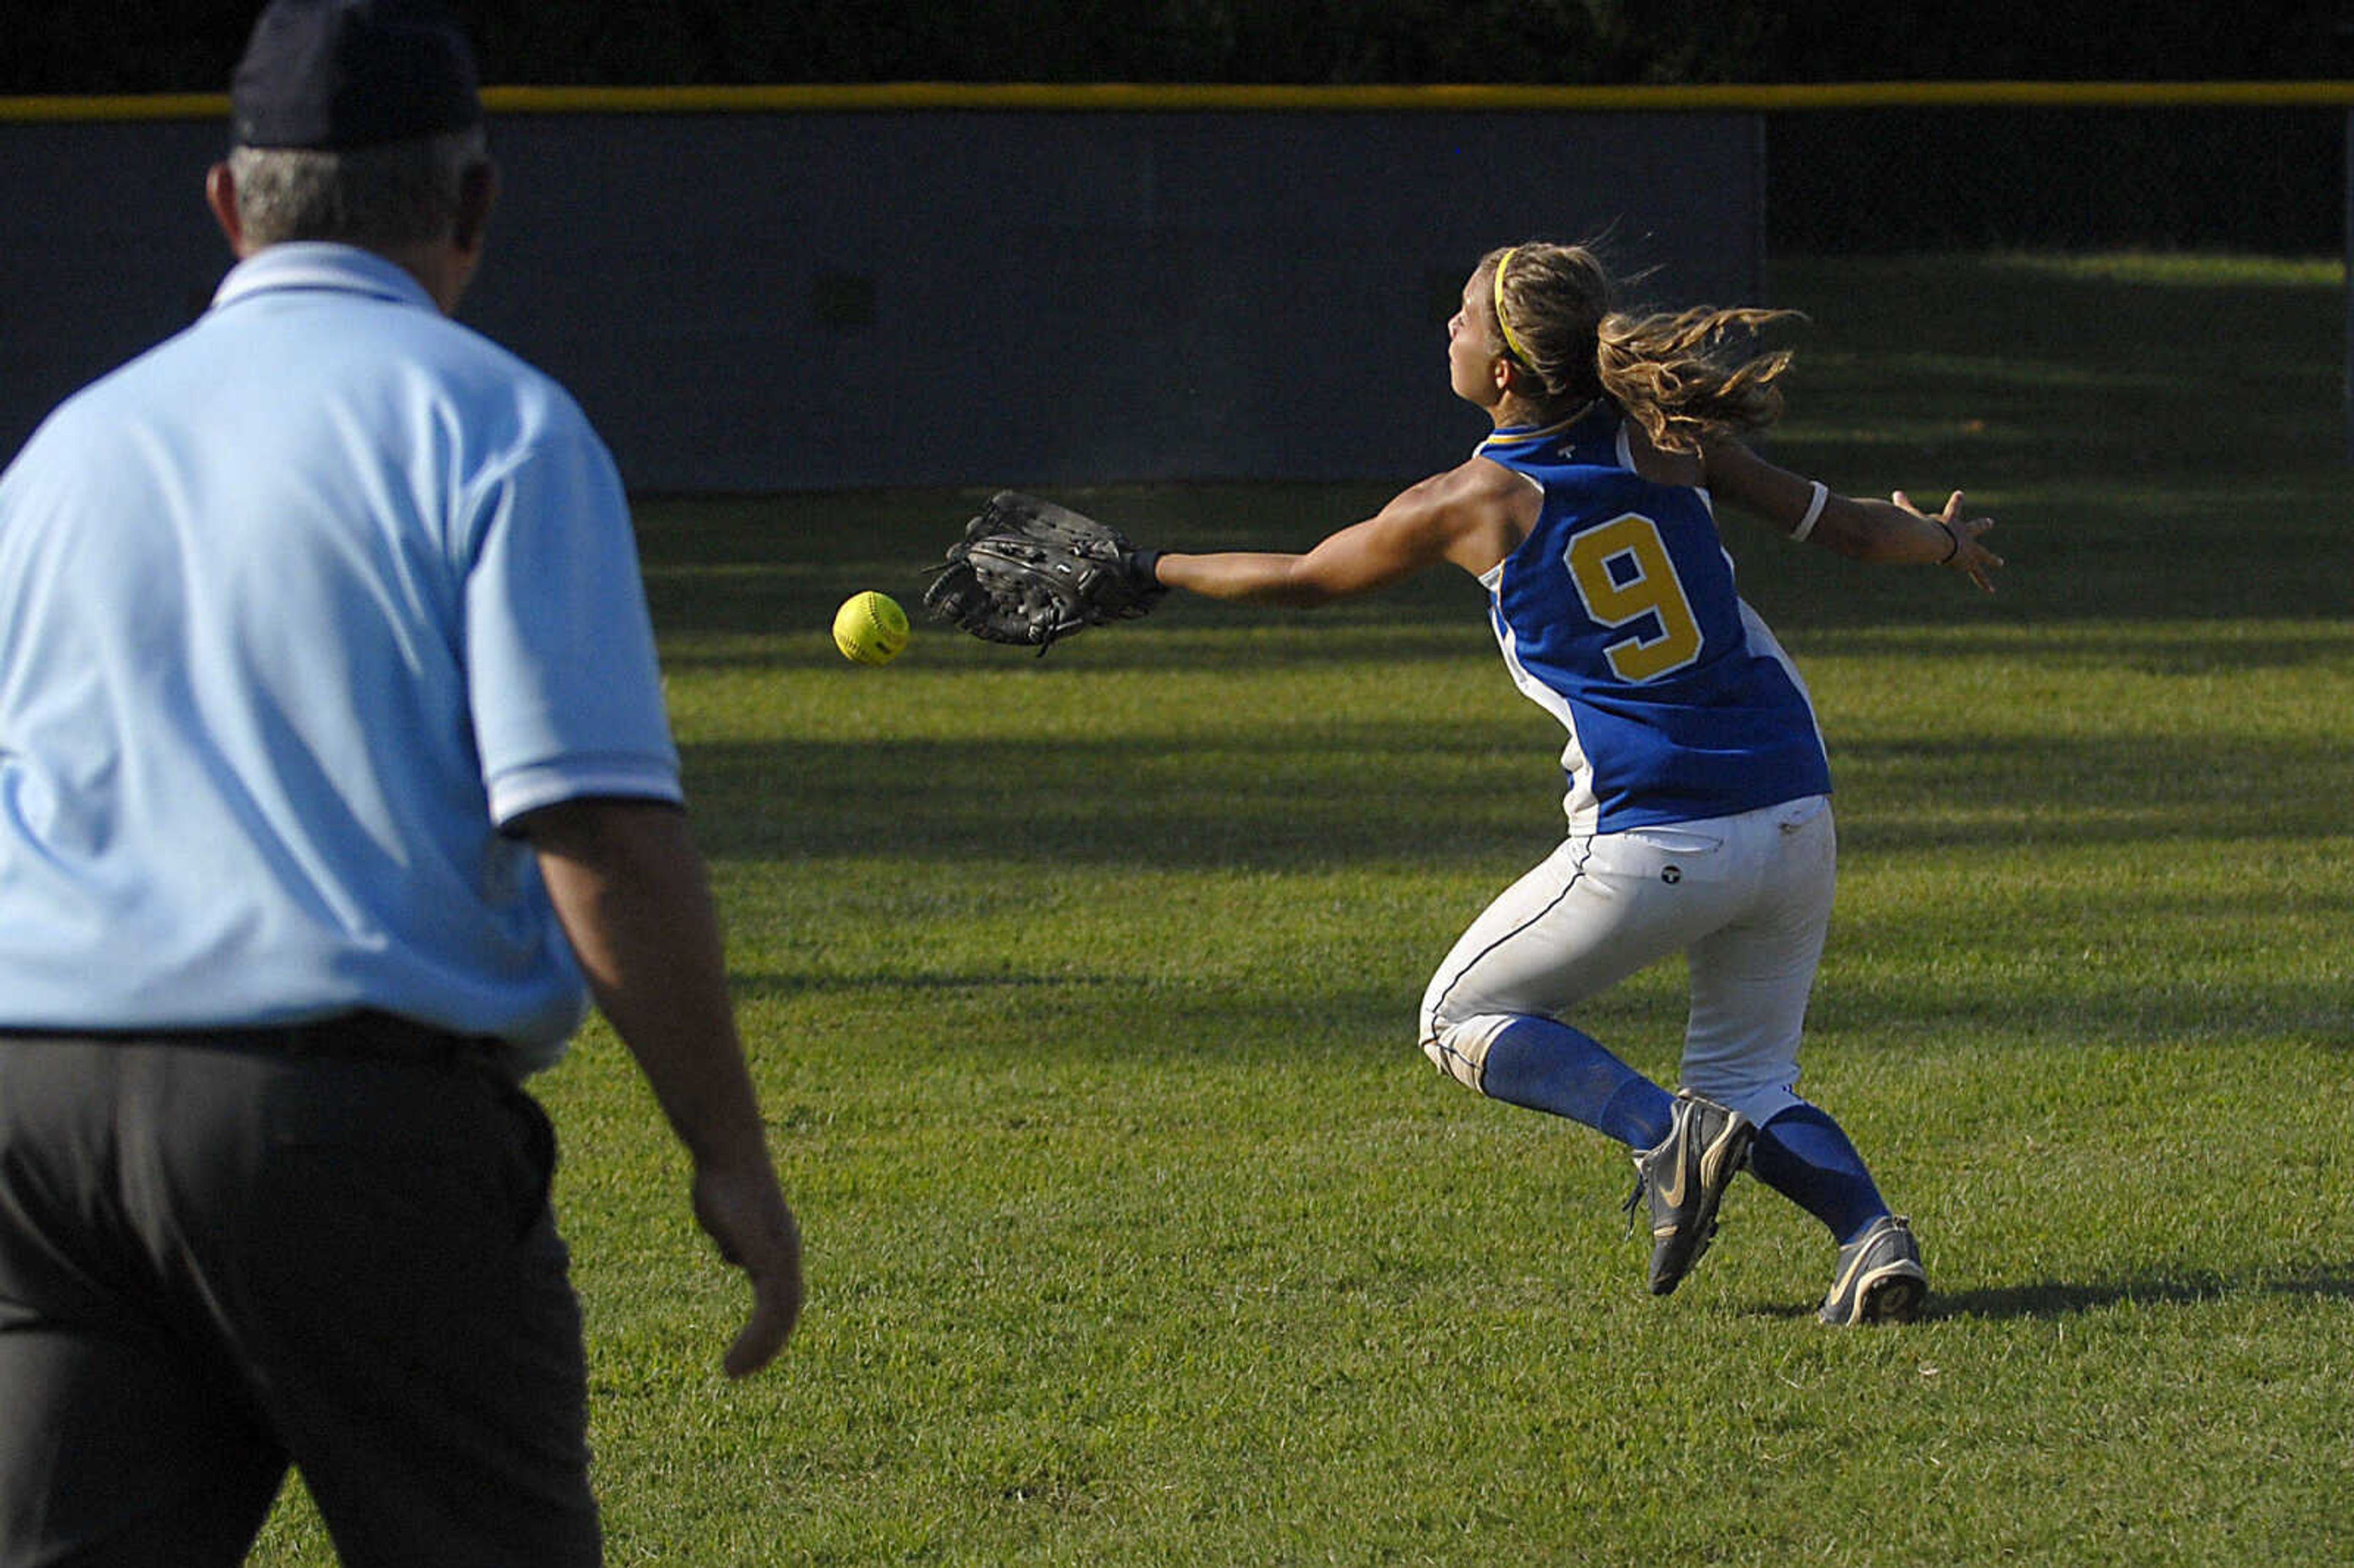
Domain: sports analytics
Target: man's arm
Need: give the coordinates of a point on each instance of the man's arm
(633, 897)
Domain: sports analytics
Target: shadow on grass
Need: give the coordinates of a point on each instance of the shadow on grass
(754, 635)
(2054, 1299)
(1303, 801)
(771, 985)
(1342, 788)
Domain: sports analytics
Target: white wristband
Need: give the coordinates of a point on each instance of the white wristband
(1814, 510)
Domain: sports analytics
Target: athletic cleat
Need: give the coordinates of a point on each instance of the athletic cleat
(1685, 1178)
(1879, 1279)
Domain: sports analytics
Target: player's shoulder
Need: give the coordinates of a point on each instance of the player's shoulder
(1478, 479)
(1465, 496)
(1471, 515)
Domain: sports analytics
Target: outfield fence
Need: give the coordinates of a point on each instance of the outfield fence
(761, 289)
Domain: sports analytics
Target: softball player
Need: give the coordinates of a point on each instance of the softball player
(1699, 809)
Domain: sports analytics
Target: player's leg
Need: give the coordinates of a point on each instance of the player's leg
(1753, 975)
(1491, 1014)
(1808, 1158)
(1544, 1064)
(1751, 982)
(393, 1283)
(122, 1445)
(1594, 912)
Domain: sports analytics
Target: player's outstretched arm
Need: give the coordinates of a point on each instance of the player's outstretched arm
(1884, 533)
(633, 897)
(1471, 517)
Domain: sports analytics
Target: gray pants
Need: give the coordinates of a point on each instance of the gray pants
(215, 1261)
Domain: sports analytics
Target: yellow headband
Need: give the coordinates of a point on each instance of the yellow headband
(1512, 342)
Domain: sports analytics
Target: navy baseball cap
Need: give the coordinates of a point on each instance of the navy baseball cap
(334, 74)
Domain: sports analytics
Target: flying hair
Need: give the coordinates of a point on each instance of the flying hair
(1681, 374)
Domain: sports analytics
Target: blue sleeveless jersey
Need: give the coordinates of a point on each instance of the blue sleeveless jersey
(1618, 616)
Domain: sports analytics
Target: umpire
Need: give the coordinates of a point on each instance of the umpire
(334, 781)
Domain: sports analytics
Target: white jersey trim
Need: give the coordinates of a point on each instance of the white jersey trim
(1763, 640)
(1579, 804)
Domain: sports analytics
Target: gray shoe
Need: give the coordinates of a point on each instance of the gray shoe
(1880, 1277)
(1685, 1178)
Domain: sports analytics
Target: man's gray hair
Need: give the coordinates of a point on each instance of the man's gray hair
(385, 198)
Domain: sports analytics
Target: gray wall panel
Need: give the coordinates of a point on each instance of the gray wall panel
(814, 300)
(105, 247)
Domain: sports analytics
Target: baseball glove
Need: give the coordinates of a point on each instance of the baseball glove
(1029, 572)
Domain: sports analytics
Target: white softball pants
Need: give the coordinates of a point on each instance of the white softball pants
(1746, 898)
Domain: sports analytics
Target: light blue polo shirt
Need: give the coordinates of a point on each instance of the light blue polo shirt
(296, 610)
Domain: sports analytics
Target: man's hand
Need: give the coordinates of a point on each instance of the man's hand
(745, 1213)
(634, 899)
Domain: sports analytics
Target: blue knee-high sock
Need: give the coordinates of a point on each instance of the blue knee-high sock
(1802, 1154)
(1549, 1066)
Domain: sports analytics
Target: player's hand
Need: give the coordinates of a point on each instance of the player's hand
(1970, 558)
(743, 1211)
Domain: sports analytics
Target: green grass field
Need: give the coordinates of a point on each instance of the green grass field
(1082, 993)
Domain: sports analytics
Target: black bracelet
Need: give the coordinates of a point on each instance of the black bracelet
(1954, 544)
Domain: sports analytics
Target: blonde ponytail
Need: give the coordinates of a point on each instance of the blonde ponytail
(1672, 374)
(1675, 374)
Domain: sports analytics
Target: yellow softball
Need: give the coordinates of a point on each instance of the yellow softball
(870, 628)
